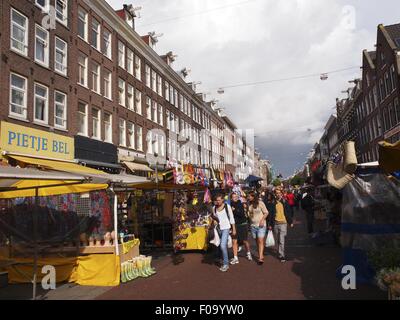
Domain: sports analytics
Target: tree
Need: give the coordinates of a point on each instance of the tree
(277, 182)
(297, 181)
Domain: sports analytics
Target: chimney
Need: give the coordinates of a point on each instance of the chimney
(128, 13)
(184, 73)
(169, 58)
(151, 39)
(193, 85)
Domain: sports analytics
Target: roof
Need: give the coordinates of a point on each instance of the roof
(394, 33)
(229, 122)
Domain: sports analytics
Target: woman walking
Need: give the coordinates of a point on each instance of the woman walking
(241, 225)
(224, 216)
(258, 215)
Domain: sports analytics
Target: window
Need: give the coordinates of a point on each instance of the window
(397, 110)
(82, 119)
(392, 116)
(153, 80)
(376, 99)
(147, 70)
(96, 123)
(160, 115)
(107, 127)
(175, 98)
(107, 44)
(167, 91)
(19, 32)
(82, 72)
(131, 135)
(162, 145)
(172, 120)
(386, 124)
(121, 55)
(130, 60)
(388, 83)
(82, 24)
(122, 132)
(60, 60)
(181, 103)
(138, 68)
(18, 95)
(60, 110)
(43, 4)
(393, 77)
(383, 60)
(148, 108)
(62, 11)
(95, 34)
(171, 95)
(382, 90)
(41, 103)
(154, 111)
(107, 83)
(139, 138)
(167, 116)
(159, 85)
(41, 46)
(96, 77)
(138, 101)
(121, 92)
(130, 98)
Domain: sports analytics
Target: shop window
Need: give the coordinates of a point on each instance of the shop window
(19, 32)
(107, 127)
(61, 56)
(83, 24)
(18, 96)
(60, 110)
(41, 104)
(41, 46)
(62, 11)
(82, 119)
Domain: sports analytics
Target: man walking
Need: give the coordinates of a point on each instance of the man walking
(307, 204)
(283, 218)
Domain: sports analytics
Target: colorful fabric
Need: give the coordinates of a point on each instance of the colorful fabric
(100, 209)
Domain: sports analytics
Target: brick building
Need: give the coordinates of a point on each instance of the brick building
(78, 69)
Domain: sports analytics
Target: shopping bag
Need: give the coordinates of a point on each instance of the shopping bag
(270, 241)
(216, 240)
(230, 242)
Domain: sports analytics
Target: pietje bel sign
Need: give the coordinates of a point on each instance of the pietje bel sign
(29, 141)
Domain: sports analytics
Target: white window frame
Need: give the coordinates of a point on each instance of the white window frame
(107, 82)
(64, 66)
(121, 54)
(63, 13)
(154, 110)
(138, 68)
(98, 34)
(167, 91)
(130, 97)
(153, 80)
(107, 43)
(85, 133)
(24, 91)
(160, 115)
(46, 46)
(96, 135)
(130, 60)
(25, 29)
(95, 65)
(85, 75)
(107, 137)
(159, 85)
(131, 135)
(86, 21)
(44, 8)
(122, 132)
(167, 116)
(148, 76)
(64, 106)
(46, 104)
(121, 92)
(139, 138)
(149, 104)
(138, 101)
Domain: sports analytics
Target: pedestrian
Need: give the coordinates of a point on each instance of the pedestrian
(270, 203)
(282, 219)
(242, 226)
(258, 214)
(307, 204)
(290, 198)
(224, 215)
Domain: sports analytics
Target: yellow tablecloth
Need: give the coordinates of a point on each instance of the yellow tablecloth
(197, 239)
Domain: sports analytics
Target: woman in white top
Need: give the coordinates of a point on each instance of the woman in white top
(224, 216)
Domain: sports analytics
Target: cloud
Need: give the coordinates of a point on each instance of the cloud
(266, 40)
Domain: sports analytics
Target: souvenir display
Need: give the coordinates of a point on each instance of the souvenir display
(138, 267)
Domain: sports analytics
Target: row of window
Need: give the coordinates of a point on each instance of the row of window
(61, 7)
(19, 100)
(388, 84)
(130, 62)
(391, 115)
(19, 43)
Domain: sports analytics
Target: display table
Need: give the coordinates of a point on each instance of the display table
(197, 238)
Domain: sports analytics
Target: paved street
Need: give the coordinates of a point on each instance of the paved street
(310, 274)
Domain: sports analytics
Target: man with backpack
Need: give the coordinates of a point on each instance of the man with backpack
(223, 216)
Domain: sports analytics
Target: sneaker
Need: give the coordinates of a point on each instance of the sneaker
(224, 268)
(249, 257)
(240, 249)
(282, 259)
(234, 261)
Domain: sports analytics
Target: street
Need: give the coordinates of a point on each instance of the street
(309, 274)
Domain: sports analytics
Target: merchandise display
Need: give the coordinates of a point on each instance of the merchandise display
(138, 267)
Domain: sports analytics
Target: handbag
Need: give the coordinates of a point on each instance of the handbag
(270, 241)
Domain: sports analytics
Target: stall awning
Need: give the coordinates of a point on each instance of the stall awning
(56, 165)
(133, 166)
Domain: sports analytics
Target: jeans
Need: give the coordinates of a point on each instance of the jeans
(280, 234)
(224, 246)
(258, 232)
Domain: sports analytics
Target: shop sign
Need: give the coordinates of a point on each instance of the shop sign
(29, 141)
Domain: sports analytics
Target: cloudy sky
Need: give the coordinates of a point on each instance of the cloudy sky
(231, 42)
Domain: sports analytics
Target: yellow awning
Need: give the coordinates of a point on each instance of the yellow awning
(57, 165)
(137, 166)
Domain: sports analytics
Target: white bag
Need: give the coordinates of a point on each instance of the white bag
(230, 242)
(216, 241)
(270, 241)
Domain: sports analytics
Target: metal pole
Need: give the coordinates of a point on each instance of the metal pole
(115, 221)
(35, 224)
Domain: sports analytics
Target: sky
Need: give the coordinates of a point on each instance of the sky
(229, 42)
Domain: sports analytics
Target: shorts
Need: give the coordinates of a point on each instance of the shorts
(258, 232)
(242, 231)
